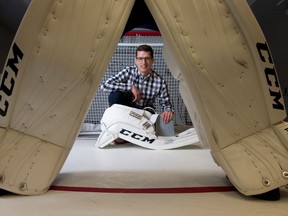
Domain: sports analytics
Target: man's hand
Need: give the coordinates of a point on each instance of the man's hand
(167, 116)
(136, 93)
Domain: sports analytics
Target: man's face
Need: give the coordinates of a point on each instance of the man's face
(144, 62)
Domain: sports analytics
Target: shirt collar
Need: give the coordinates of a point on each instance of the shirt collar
(147, 77)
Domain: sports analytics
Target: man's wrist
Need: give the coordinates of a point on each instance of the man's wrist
(169, 110)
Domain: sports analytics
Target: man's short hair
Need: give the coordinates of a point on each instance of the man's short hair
(145, 48)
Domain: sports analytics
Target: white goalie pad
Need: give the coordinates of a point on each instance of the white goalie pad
(138, 126)
(53, 69)
(230, 87)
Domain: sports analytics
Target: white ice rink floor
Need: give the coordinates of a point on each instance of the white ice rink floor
(126, 180)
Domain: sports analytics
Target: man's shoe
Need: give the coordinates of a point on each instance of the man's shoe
(119, 141)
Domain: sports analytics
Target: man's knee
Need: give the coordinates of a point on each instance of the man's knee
(115, 98)
(120, 97)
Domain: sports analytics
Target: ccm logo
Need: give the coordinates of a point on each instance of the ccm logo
(136, 136)
(271, 76)
(8, 79)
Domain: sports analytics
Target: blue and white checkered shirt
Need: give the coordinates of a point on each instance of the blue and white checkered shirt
(151, 87)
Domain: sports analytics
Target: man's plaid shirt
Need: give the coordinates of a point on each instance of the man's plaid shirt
(151, 87)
